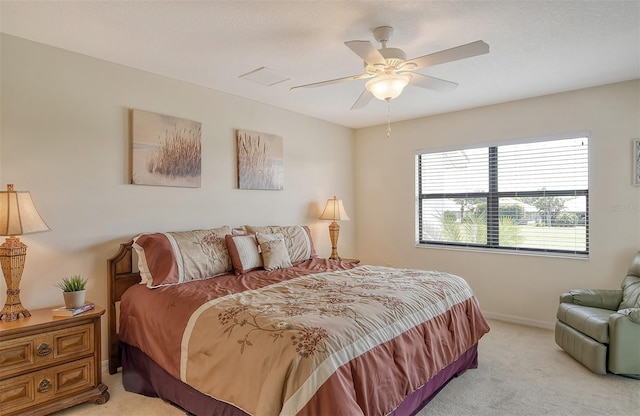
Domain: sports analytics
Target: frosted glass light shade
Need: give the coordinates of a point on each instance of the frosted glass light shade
(387, 87)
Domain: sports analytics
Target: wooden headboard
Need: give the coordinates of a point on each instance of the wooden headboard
(121, 277)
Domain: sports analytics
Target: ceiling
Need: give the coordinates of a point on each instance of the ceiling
(537, 47)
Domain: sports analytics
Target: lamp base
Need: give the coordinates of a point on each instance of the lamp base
(12, 255)
(11, 312)
(334, 233)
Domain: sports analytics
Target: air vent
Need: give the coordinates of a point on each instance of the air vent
(265, 76)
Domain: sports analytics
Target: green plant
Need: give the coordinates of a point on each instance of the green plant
(73, 283)
(566, 219)
(512, 211)
(510, 232)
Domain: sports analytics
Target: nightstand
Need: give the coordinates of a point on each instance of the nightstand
(354, 261)
(48, 364)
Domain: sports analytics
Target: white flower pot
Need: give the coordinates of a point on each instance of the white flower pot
(73, 300)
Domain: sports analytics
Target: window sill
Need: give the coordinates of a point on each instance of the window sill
(522, 252)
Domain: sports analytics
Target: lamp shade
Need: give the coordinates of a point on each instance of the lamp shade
(388, 87)
(18, 214)
(334, 211)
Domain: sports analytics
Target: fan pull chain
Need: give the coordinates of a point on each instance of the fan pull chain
(388, 119)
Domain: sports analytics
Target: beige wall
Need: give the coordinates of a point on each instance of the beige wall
(64, 138)
(516, 287)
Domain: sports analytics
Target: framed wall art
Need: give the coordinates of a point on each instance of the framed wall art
(636, 162)
(165, 150)
(260, 160)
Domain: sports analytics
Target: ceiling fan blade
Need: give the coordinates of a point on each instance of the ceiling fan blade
(365, 50)
(363, 100)
(333, 81)
(453, 54)
(432, 83)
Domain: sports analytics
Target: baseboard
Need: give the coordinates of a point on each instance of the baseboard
(105, 367)
(519, 320)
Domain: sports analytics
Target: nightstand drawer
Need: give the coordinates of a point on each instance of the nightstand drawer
(31, 352)
(50, 363)
(40, 386)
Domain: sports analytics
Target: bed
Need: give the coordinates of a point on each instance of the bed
(310, 336)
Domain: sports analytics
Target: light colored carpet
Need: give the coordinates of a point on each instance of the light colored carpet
(521, 372)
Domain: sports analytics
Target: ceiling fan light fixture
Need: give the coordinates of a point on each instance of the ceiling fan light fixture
(388, 87)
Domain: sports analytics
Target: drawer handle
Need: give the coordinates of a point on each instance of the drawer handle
(44, 349)
(44, 386)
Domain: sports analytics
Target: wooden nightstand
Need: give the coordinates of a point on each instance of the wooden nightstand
(48, 364)
(354, 261)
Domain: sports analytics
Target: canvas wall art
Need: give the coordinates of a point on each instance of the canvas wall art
(636, 162)
(260, 160)
(166, 150)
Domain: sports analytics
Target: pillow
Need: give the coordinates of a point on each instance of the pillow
(156, 257)
(297, 239)
(243, 250)
(274, 251)
(178, 257)
(239, 230)
(630, 292)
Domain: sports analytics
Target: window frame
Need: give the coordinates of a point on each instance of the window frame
(493, 196)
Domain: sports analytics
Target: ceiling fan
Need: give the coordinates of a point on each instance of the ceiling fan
(389, 70)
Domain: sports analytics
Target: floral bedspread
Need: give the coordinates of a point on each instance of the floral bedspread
(270, 350)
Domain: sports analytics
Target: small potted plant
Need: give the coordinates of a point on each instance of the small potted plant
(73, 290)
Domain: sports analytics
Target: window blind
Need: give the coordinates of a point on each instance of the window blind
(531, 196)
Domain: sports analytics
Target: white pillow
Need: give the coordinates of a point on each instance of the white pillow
(274, 251)
(297, 238)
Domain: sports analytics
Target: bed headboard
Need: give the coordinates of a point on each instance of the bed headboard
(121, 277)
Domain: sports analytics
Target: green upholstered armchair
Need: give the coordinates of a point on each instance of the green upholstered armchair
(601, 328)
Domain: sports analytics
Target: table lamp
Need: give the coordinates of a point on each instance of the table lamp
(18, 216)
(334, 211)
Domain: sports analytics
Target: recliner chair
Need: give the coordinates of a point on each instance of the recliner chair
(601, 328)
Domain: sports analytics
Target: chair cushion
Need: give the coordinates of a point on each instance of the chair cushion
(630, 292)
(593, 322)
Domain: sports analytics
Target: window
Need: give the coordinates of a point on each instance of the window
(531, 196)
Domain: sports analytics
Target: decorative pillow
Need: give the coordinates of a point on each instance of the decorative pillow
(178, 257)
(297, 239)
(243, 250)
(274, 251)
(630, 292)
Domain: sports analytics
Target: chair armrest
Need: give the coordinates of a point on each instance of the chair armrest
(596, 298)
(624, 342)
(631, 313)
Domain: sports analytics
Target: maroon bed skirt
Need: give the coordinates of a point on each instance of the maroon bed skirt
(142, 375)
